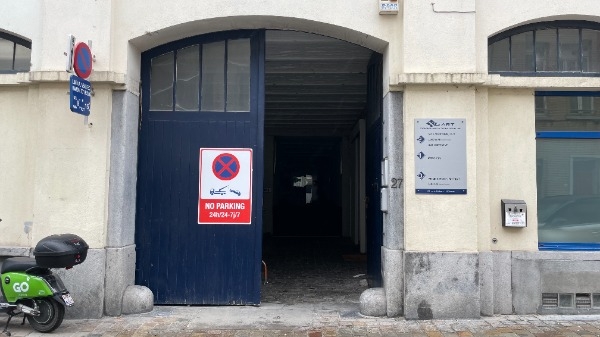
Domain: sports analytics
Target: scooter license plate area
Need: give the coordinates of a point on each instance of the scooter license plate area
(68, 300)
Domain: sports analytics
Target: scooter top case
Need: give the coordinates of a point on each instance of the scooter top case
(60, 251)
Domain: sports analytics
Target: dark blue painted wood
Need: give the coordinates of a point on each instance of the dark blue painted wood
(374, 155)
(374, 214)
(180, 261)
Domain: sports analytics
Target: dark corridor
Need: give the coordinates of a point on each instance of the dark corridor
(307, 187)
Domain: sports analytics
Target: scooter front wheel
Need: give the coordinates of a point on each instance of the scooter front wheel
(51, 315)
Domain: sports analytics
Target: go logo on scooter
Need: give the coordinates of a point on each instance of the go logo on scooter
(21, 287)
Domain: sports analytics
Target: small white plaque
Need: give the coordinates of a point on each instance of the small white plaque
(515, 219)
(388, 7)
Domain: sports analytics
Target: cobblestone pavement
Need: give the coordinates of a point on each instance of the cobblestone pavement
(313, 291)
(310, 321)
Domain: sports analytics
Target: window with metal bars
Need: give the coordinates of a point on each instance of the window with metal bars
(15, 54)
(556, 48)
(212, 76)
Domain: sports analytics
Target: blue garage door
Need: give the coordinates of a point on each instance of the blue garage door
(374, 156)
(201, 92)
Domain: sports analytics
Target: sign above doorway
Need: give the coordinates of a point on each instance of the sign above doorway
(388, 7)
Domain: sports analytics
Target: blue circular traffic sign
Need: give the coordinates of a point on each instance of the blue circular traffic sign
(82, 60)
(226, 166)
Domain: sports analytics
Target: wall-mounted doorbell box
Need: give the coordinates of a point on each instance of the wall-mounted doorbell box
(514, 213)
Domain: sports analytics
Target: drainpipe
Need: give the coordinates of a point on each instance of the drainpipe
(362, 188)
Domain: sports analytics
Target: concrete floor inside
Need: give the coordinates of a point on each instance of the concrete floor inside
(318, 270)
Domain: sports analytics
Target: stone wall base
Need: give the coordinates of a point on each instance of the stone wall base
(442, 285)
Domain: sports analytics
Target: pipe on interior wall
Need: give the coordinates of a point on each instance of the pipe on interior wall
(362, 188)
(356, 194)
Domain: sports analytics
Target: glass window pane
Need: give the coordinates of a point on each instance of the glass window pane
(22, 58)
(590, 43)
(161, 85)
(545, 50)
(541, 110)
(568, 50)
(521, 52)
(498, 56)
(238, 75)
(6, 54)
(581, 106)
(567, 113)
(213, 76)
(569, 190)
(188, 79)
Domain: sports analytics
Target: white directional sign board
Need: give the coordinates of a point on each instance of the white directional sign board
(440, 156)
(225, 186)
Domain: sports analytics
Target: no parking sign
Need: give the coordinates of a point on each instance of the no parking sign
(225, 186)
(82, 60)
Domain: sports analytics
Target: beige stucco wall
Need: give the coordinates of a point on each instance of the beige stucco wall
(54, 166)
(440, 222)
(501, 156)
(71, 173)
(512, 169)
(87, 20)
(482, 179)
(17, 166)
(436, 41)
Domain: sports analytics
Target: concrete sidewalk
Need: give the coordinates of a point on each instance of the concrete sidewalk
(309, 320)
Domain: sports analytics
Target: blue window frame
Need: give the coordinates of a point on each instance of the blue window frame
(15, 54)
(555, 48)
(568, 170)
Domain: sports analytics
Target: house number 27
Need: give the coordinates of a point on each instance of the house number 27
(396, 182)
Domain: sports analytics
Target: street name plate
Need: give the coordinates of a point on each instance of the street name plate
(440, 156)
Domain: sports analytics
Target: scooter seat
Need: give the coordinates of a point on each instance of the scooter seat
(18, 264)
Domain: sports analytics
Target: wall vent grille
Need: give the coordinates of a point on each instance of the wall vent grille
(583, 301)
(570, 300)
(549, 300)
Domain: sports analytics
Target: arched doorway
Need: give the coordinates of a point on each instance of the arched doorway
(307, 99)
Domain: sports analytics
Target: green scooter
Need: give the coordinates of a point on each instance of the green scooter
(30, 288)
